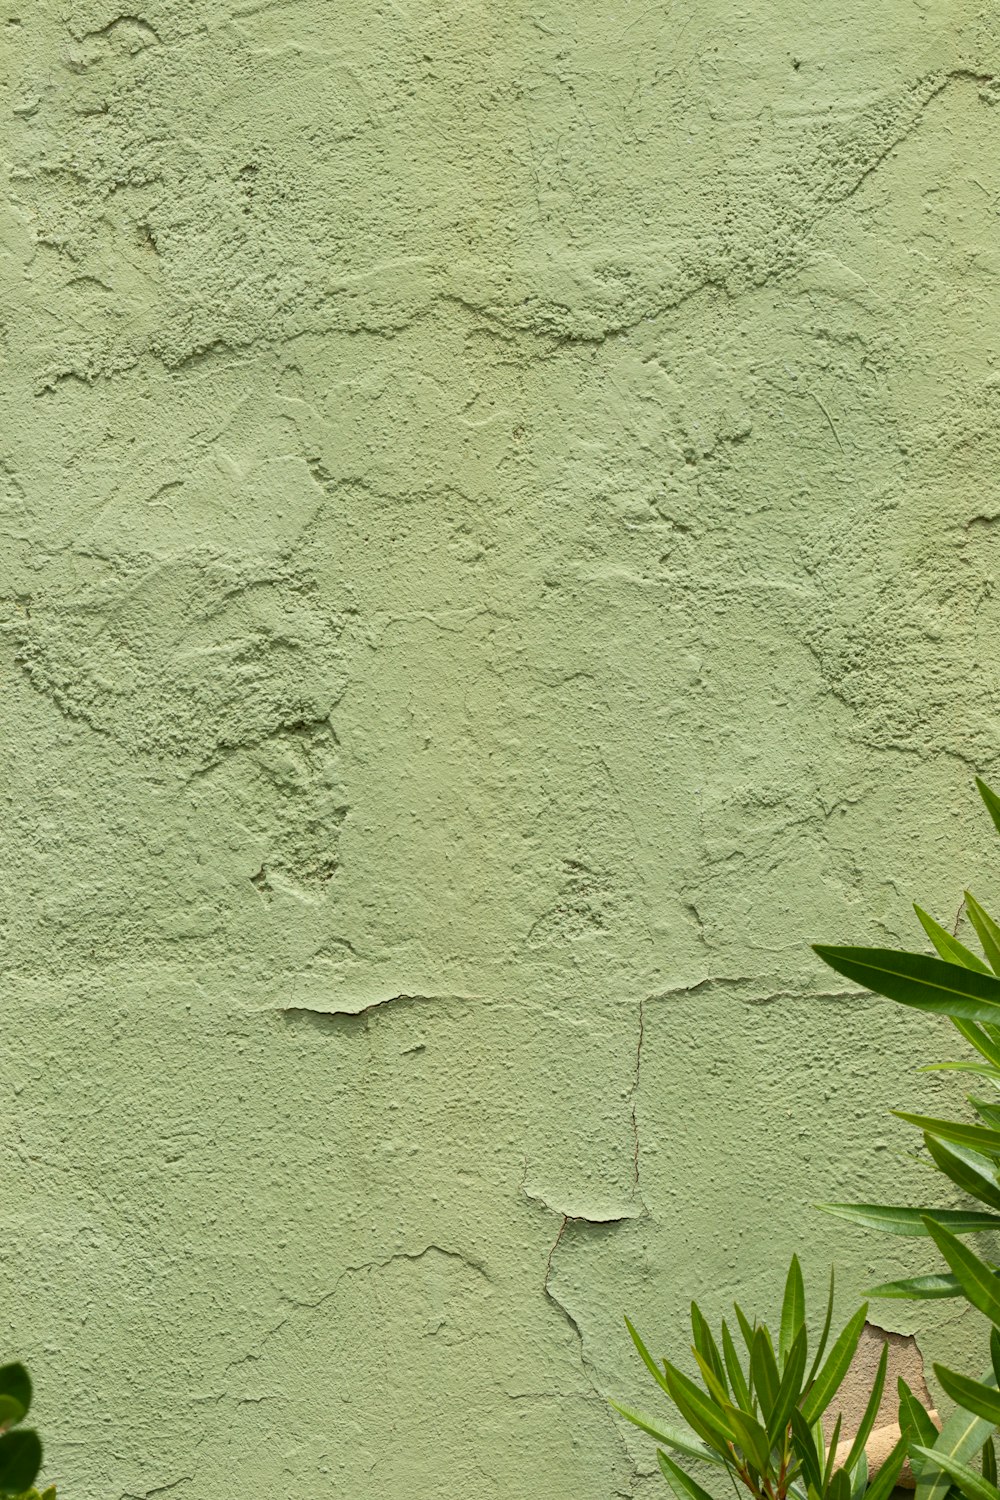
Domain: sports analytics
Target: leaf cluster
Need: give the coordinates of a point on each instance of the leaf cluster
(964, 986)
(756, 1406)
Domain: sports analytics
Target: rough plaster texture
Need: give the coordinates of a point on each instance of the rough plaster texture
(499, 517)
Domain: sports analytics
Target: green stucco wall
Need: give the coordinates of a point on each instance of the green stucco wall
(499, 514)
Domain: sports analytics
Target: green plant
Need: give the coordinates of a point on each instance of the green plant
(964, 987)
(20, 1448)
(757, 1414)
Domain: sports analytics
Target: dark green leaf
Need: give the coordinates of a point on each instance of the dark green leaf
(805, 1450)
(995, 1351)
(828, 1381)
(950, 949)
(16, 1383)
(764, 1368)
(20, 1460)
(859, 1476)
(683, 1486)
(982, 1400)
(969, 1482)
(793, 1308)
(987, 931)
(989, 1461)
(871, 1411)
(697, 1409)
(737, 1380)
(896, 1220)
(751, 1437)
(978, 1137)
(915, 1420)
(928, 984)
(831, 1454)
(682, 1442)
(919, 1288)
(884, 1482)
(980, 1284)
(840, 1486)
(778, 1417)
(706, 1345)
(11, 1412)
(969, 1170)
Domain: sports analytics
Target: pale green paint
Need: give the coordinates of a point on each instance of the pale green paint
(499, 511)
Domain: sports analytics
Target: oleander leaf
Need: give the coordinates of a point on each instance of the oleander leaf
(793, 1308)
(948, 946)
(919, 1288)
(980, 1284)
(900, 1220)
(928, 984)
(828, 1380)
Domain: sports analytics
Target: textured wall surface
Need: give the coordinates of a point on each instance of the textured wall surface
(499, 512)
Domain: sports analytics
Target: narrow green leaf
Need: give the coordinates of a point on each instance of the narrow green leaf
(683, 1486)
(705, 1343)
(840, 1486)
(20, 1460)
(989, 1461)
(697, 1409)
(987, 1070)
(969, 1482)
(751, 1437)
(764, 1368)
(991, 800)
(871, 1411)
(793, 1308)
(821, 1346)
(928, 984)
(713, 1384)
(831, 1455)
(982, 1400)
(915, 1421)
(949, 948)
(828, 1381)
(980, 1038)
(745, 1326)
(859, 1476)
(987, 1111)
(884, 1482)
(681, 1442)
(899, 1220)
(805, 1450)
(960, 1438)
(980, 1284)
(987, 930)
(919, 1288)
(647, 1358)
(734, 1369)
(995, 1351)
(973, 1173)
(979, 1137)
(789, 1390)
